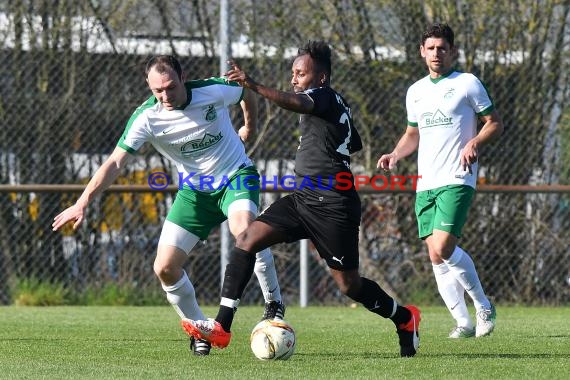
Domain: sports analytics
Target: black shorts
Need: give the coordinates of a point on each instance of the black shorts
(330, 219)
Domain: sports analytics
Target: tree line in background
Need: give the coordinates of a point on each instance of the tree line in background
(72, 74)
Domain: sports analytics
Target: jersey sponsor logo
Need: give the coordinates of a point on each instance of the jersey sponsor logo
(209, 113)
(436, 119)
(197, 145)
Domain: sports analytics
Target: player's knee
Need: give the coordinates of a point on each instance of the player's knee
(244, 241)
(158, 268)
(348, 286)
(441, 246)
(166, 273)
(439, 253)
(352, 291)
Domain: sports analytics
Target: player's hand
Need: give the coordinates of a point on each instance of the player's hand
(387, 162)
(469, 155)
(74, 213)
(245, 133)
(236, 74)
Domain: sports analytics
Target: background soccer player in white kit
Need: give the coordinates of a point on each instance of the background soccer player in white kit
(189, 123)
(443, 109)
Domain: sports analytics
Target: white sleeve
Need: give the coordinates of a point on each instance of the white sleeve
(478, 96)
(136, 133)
(411, 114)
(232, 94)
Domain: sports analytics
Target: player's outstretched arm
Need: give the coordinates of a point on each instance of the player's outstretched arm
(101, 180)
(300, 103)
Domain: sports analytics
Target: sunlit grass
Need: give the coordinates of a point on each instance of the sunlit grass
(333, 343)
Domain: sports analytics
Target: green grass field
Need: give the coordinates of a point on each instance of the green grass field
(333, 343)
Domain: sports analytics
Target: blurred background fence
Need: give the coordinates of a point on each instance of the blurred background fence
(72, 74)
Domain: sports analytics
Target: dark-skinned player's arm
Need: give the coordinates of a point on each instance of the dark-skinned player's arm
(300, 103)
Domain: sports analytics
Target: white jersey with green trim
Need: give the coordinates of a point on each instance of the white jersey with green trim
(446, 112)
(199, 137)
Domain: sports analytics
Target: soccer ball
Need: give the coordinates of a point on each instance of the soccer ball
(273, 339)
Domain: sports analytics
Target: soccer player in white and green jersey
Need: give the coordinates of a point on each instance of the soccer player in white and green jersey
(443, 110)
(189, 123)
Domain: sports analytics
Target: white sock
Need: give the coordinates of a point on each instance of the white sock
(267, 275)
(182, 297)
(452, 294)
(463, 268)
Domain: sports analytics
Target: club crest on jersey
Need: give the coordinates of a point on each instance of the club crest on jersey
(449, 94)
(209, 113)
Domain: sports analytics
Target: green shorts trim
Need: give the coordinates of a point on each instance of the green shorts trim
(199, 212)
(444, 208)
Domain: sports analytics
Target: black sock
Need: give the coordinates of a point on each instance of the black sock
(376, 300)
(237, 275)
(402, 315)
(226, 317)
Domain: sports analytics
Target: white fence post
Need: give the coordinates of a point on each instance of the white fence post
(304, 273)
(225, 53)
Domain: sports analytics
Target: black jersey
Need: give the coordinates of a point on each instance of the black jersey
(328, 137)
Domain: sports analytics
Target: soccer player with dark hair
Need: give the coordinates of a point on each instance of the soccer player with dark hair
(329, 217)
(443, 111)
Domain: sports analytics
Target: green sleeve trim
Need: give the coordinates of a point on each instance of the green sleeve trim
(491, 108)
(147, 104)
(415, 125)
(487, 111)
(120, 144)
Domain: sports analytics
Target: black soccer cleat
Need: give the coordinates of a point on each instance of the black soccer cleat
(200, 347)
(274, 310)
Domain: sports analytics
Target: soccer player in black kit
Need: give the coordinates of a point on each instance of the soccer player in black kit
(317, 209)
